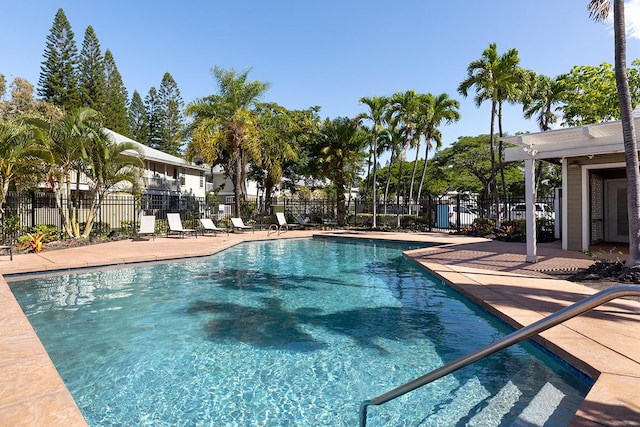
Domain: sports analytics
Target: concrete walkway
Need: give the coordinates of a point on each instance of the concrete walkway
(604, 343)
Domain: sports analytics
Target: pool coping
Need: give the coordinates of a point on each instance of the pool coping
(605, 344)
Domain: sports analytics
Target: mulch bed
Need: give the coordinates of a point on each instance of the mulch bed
(601, 275)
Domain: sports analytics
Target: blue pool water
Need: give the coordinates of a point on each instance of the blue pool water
(281, 333)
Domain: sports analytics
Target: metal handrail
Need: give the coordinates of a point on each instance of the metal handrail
(515, 337)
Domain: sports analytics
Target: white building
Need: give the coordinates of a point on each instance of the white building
(164, 174)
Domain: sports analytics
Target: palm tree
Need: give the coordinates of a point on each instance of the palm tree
(66, 140)
(279, 129)
(434, 111)
(391, 140)
(22, 150)
(111, 167)
(403, 115)
(225, 129)
(599, 10)
(342, 145)
(377, 111)
(511, 82)
(494, 77)
(541, 100)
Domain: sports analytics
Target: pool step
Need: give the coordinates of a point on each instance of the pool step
(460, 402)
(497, 407)
(541, 407)
(532, 408)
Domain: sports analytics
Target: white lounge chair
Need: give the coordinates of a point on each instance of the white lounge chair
(282, 224)
(175, 225)
(147, 226)
(239, 225)
(208, 225)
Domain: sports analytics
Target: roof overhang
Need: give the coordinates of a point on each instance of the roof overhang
(600, 138)
(151, 154)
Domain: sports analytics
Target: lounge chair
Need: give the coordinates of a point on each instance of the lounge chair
(239, 225)
(282, 224)
(175, 225)
(9, 249)
(304, 222)
(208, 225)
(147, 226)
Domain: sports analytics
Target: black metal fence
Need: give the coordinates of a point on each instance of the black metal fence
(120, 213)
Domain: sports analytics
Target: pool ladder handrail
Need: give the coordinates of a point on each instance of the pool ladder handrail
(515, 337)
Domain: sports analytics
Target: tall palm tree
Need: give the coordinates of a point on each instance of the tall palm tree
(22, 150)
(494, 77)
(377, 111)
(434, 111)
(511, 84)
(342, 147)
(225, 129)
(599, 10)
(403, 115)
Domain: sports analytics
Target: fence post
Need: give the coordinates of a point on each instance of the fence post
(458, 213)
(33, 208)
(429, 212)
(355, 212)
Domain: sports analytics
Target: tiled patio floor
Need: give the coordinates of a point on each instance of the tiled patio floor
(604, 343)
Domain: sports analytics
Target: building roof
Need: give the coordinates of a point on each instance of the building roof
(151, 154)
(599, 138)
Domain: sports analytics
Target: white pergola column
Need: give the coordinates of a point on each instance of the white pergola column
(530, 215)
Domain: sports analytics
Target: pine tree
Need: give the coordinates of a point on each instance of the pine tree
(137, 120)
(58, 82)
(115, 100)
(171, 104)
(91, 72)
(155, 119)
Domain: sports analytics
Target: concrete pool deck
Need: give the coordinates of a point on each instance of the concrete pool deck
(604, 343)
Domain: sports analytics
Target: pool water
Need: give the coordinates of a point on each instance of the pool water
(282, 333)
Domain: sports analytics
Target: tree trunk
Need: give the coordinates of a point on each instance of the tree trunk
(494, 180)
(405, 147)
(3, 196)
(427, 137)
(386, 189)
(398, 191)
(237, 184)
(413, 174)
(95, 205)
(374, 198)
(268, 191)
(628, 133)
(500, 162)
(340, 205)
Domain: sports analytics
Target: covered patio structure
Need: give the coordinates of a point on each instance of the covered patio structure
(594, 183)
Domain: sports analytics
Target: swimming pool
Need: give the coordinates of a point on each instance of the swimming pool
(281, 333)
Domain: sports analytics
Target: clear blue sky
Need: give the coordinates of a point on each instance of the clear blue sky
(327, 53)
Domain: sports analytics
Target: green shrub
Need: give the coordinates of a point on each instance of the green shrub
(10, 225)
(50, 233)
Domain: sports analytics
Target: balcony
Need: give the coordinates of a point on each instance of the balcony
(161, 183)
